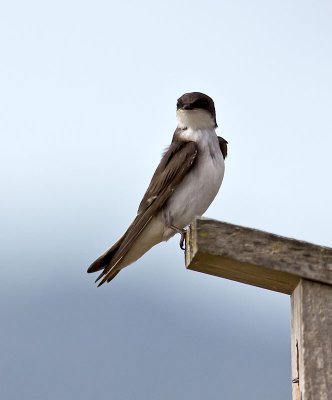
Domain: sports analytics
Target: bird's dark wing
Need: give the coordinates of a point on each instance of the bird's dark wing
(174, 165)
(177, 160)
(223, 146)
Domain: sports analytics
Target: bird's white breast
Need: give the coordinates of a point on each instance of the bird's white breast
(198, 189)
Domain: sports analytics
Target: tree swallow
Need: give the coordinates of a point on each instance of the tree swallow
(183, 186)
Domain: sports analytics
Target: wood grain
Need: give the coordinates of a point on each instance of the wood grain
(312, 341)
(290, 266)
(255, 257)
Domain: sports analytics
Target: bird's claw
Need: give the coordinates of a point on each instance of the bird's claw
(182, 232)
(183, 237)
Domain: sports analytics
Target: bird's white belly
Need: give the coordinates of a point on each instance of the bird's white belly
(196, 192)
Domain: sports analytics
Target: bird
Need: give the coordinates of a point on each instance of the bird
(182, 187)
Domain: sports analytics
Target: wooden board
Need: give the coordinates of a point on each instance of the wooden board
(312, 341)
(255, 257)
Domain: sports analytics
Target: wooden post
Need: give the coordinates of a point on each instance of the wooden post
(312, 340)
(300, 269)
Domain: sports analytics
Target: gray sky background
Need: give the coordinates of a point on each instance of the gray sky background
(86, 88)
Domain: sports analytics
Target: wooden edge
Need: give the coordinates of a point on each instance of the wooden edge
(312, 341)
(254, 257)
(245, 273)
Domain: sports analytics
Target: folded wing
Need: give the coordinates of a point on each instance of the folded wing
(178, 159)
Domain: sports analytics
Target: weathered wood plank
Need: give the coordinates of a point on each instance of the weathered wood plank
(296, 342)
(312, 341)
(255, 257)
(280, 264)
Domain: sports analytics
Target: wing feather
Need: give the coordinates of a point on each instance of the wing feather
(178, 159)
(223, 146)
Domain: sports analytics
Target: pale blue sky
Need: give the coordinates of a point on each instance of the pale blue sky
(85, 86)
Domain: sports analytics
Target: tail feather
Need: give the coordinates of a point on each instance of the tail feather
(127, 249)
(104, 260)
(110, 276)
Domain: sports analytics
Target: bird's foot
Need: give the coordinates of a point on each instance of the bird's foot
(182, 232)
(182, 240)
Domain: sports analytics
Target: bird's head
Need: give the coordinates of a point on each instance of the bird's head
(196, 110)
